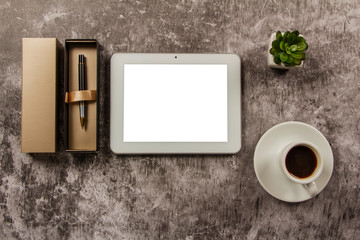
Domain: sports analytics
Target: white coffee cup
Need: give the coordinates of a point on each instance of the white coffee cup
(307, 181)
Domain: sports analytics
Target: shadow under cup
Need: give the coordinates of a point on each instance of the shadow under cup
(301, 162)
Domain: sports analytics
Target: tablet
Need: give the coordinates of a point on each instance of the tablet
(175, 103)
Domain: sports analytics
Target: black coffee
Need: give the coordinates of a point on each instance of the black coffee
(301, 161)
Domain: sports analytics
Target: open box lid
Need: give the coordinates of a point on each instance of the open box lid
(38, 99)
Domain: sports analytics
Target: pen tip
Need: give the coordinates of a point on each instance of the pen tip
(82, 122)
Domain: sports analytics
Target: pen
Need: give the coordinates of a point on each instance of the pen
(82, 87)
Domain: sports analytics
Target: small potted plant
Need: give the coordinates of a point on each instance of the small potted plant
(286, 50)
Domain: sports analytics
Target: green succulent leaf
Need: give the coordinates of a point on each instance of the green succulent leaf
(301, 46)
(272, 51)
(298, 55)
(283, 57)
(277, 54)
(296, 32)
(282, 46)
(275, 44)
(297, 62)
(293, 48)
(277, 60)
(286, 34)
(290, 59)
(278, 36)
(299, 39)
(291, 38)
(288, 50)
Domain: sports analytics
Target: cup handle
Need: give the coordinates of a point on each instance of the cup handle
(311, 188)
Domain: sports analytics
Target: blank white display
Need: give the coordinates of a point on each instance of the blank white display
(175, 103)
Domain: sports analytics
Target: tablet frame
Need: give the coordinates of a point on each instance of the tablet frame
(118, 146)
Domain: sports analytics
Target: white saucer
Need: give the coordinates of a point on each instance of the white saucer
(267, 164)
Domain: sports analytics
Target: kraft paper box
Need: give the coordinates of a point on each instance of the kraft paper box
(41, 65)
(76, 138)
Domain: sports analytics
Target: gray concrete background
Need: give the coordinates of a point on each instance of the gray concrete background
(104, 196)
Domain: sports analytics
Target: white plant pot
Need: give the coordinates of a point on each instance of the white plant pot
(270, 60)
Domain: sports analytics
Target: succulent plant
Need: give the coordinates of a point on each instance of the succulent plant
(289, 48)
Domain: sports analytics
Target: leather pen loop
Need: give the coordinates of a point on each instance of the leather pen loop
(77, 96)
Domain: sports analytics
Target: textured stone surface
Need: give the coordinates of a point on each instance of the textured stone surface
(104, 196)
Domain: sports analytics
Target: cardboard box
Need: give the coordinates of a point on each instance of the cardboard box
(38, 99)
(76, 138)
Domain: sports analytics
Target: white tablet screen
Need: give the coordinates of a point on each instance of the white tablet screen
(175, 103)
